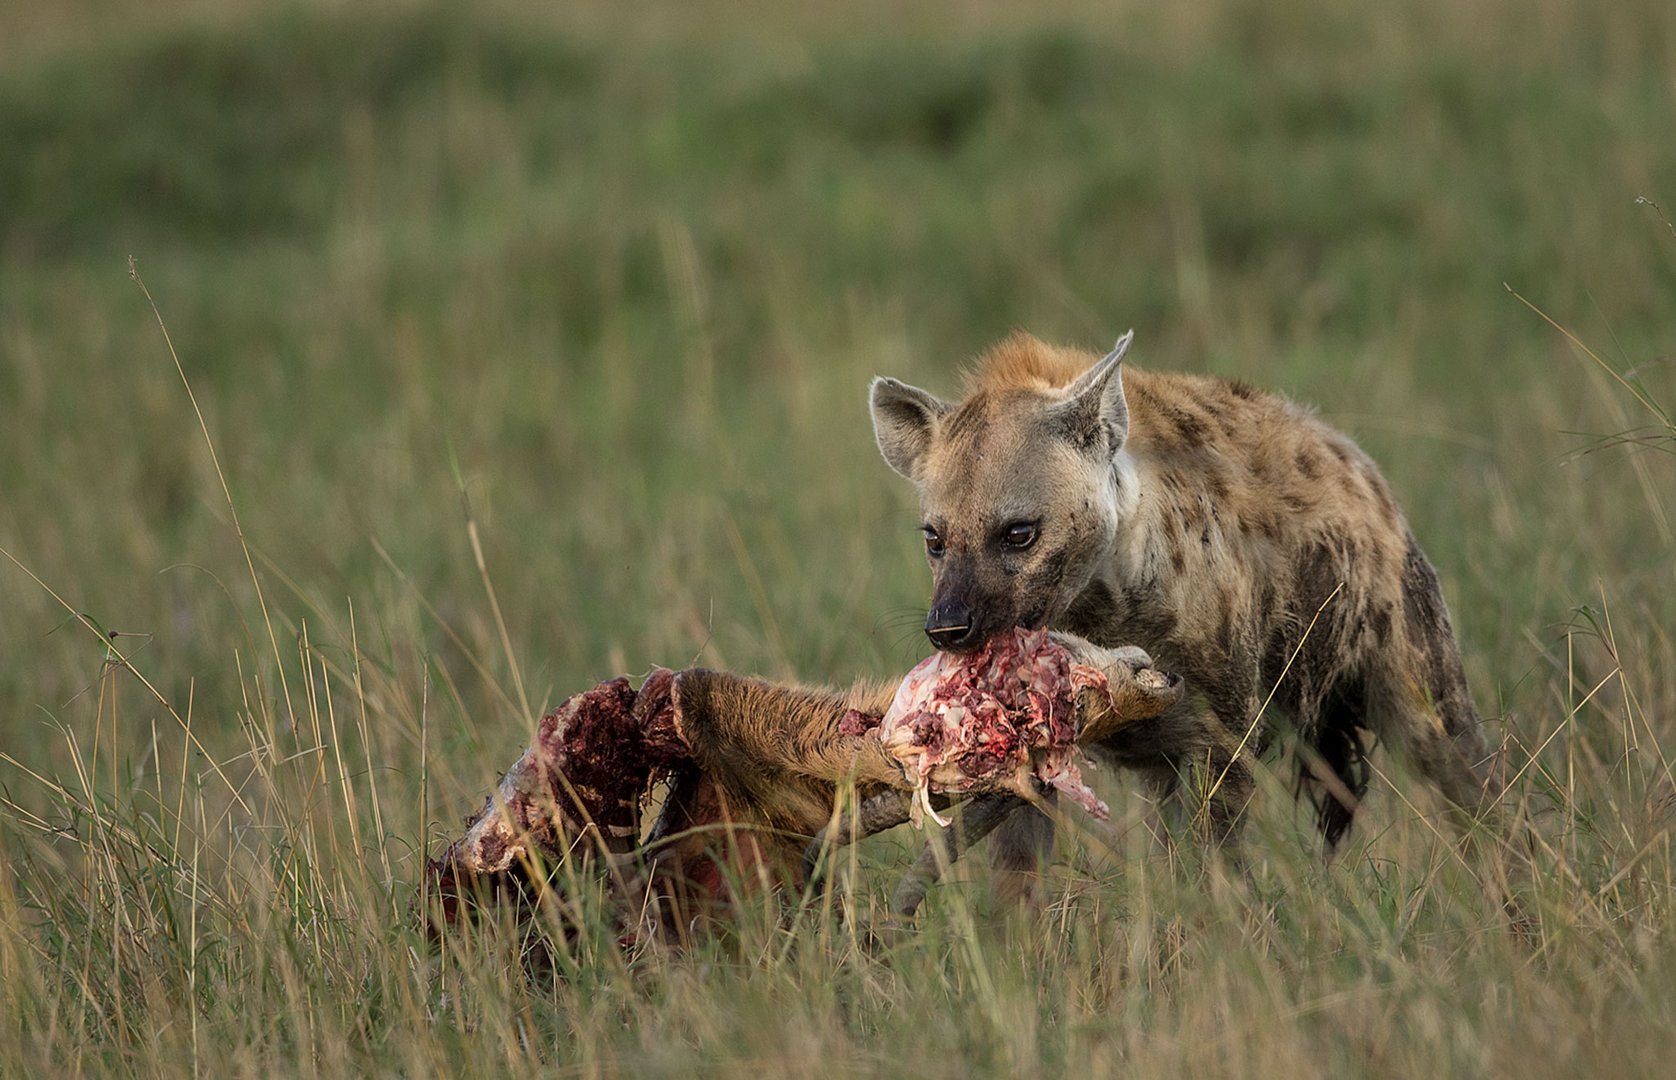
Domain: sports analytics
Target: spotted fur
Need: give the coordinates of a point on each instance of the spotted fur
(1232, 534)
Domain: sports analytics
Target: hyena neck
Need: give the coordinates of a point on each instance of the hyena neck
(1127, 557)
(1125, 488)
(1101, 610)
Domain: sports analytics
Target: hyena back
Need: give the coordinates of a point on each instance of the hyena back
(1233, 535)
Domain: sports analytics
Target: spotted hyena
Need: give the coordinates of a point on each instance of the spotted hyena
(1230, 533)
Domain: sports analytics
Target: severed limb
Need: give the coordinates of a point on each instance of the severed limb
(753, 770)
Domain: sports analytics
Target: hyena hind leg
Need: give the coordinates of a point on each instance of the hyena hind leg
(1441, 735)
(1419, 699)
(1444, 743)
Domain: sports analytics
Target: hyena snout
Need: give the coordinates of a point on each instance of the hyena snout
(963, 624)
(952, 626)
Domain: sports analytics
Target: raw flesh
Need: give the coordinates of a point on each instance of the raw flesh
(590, 765)
(1003, 718)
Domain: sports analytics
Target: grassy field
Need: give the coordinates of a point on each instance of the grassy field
(532, 347)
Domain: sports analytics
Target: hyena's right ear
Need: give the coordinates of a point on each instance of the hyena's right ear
(904, 420)
(1095, 412)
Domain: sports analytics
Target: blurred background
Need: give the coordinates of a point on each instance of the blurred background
(615, 279)
(604, 285)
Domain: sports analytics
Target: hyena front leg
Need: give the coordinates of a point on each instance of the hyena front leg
(1228, 785)
(1019, 850)
(1220, 777)
(1211, 748)
(1193, 762)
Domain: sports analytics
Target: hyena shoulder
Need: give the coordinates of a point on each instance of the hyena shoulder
(1271, 469)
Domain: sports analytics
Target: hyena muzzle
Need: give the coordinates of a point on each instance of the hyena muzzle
(1238, 539)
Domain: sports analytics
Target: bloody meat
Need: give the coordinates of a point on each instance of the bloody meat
(590, 765)
(1003, 718)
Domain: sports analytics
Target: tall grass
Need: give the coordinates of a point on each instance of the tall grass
(520, 348)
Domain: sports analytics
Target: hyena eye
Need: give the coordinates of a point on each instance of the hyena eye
(1021, 534)
(933, 542)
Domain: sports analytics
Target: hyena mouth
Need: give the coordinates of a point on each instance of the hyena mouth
(1030, 621)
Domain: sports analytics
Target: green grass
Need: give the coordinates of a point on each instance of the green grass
(610, 286)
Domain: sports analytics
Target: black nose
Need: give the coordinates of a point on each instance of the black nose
(950, 626)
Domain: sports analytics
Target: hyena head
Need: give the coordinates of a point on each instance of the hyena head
(1022, 484)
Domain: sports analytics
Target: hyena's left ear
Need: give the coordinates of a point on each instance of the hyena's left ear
(904, 420)
(1094, 405)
